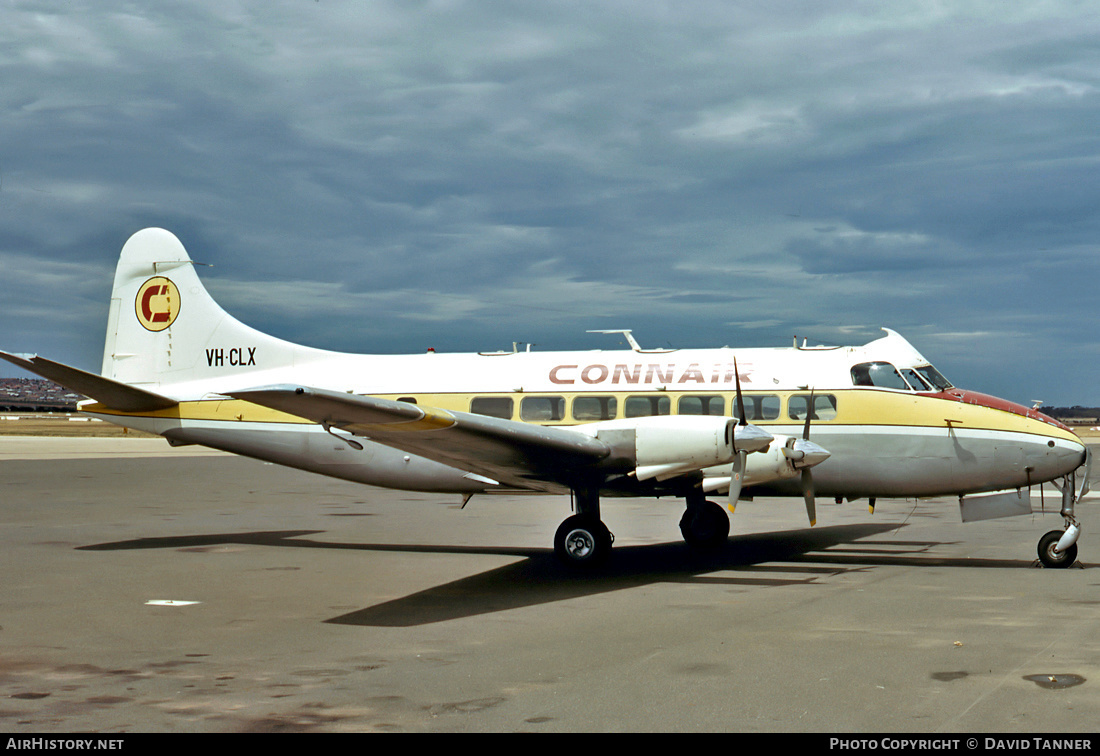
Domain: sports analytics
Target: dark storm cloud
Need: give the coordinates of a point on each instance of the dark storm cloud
(464, 175)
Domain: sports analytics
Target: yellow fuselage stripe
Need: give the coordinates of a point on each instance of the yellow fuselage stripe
(854, 407)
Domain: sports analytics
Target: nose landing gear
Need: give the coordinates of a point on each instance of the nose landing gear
(1058, 548)
(1053, 555)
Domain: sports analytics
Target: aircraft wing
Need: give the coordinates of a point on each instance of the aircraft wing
(118, 396)
(511, 453)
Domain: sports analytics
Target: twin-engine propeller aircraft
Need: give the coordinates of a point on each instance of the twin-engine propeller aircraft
(868, 421)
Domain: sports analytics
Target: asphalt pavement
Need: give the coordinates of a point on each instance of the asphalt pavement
(145, 589)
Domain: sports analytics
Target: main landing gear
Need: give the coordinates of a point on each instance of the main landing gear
(705, 524)
(583, 540)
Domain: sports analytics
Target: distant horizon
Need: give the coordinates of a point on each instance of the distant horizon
(1042, 408)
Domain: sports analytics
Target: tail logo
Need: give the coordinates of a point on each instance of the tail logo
(157, 303)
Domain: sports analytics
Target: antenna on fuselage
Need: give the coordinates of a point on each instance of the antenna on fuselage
(629, 335)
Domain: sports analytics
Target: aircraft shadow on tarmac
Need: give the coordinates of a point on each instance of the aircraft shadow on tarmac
(763, 559)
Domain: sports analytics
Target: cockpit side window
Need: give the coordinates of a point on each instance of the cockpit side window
(933, 376)
(879, 374)
(912, 377)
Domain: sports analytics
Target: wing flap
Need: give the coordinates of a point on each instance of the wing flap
(516, 454)
(110, 393)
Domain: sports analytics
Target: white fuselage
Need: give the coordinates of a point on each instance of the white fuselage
(883, 441)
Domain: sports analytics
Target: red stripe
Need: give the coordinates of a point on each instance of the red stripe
(993, 402)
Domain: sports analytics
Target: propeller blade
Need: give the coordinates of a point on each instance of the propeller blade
(740, 398)
(737, 478)
(809, 414)
(807, 476)
(747, 438)
(808, 495)
(871, 505)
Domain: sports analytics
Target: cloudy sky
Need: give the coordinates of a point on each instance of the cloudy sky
(393, 176)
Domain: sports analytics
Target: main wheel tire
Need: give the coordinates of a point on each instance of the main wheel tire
(582, 541)
(705, 525)
(1057, 559)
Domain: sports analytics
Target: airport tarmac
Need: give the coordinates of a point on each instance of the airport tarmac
(146, 589)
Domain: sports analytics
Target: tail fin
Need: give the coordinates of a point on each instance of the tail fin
(165, 328)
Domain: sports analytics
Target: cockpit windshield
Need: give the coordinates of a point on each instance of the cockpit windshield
(885, 375)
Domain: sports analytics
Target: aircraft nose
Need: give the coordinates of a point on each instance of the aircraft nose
(1082, 454)
(1062, 456)
(1051, 449)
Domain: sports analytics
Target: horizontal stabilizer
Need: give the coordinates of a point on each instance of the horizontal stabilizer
(111, 394)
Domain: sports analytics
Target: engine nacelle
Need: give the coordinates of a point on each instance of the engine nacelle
(669, 445)
(773, 464)
(784, 459)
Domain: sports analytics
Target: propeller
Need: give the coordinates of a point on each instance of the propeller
(738, 473)
(807, 476)
(804, 454)
(747, 438)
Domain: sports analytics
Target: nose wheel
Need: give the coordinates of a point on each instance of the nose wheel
(1051, 556)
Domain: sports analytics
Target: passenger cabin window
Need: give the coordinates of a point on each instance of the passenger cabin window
(824, 407)
(587, 408)
(407, 399)
(701, 405)
(645, 406)
(542, 409)
(758, 407)
(493, 406)
(879, 374)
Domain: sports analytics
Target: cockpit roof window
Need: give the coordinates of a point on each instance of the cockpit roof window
(878, 374)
